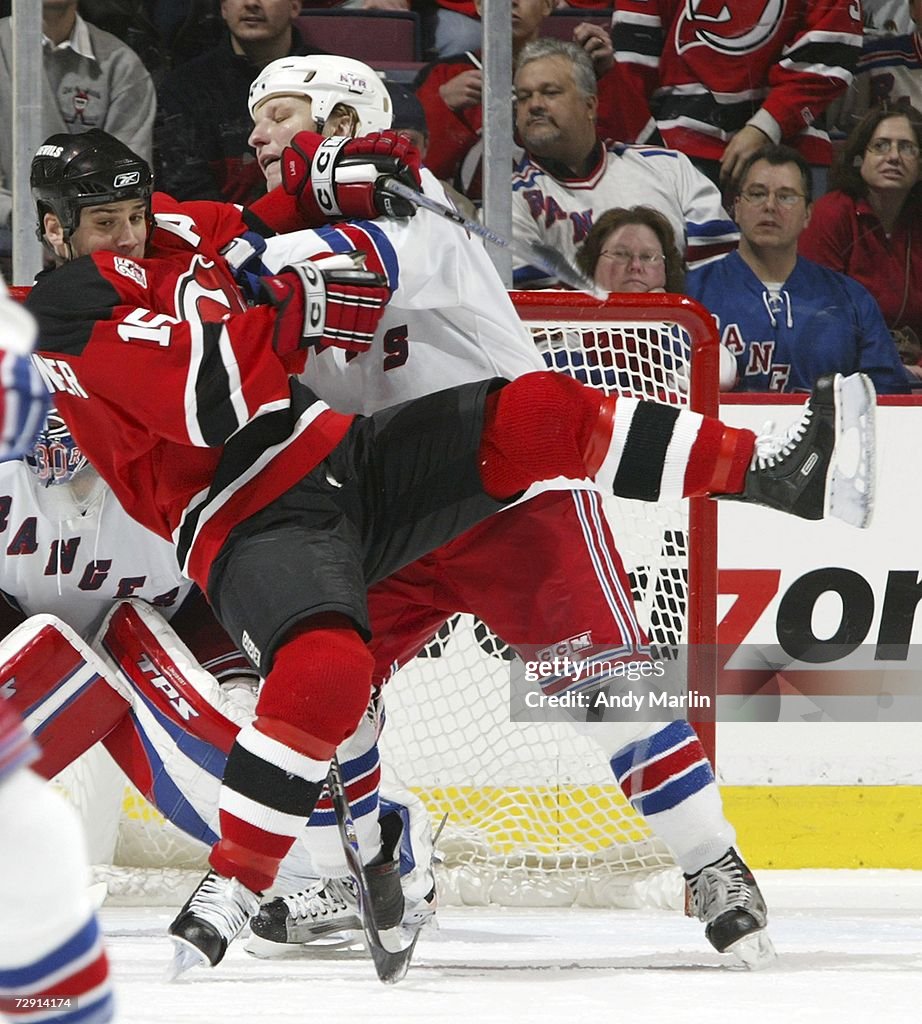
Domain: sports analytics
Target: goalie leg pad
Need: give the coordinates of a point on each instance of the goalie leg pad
(174, 744)
(417, 878)
(62, 689)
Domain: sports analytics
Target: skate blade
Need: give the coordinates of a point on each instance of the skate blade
(185, 957)
(755, 950)
(97, 894)
(850, 489)
(330, 945)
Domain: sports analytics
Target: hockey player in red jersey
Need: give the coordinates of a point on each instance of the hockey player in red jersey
(284, 510)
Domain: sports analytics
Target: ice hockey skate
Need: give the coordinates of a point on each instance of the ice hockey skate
(823, 464)
(726, 897)
(323, 911)
(330, 905)
(210, 920)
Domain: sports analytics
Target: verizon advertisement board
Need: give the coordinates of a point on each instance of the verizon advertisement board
(818, 621)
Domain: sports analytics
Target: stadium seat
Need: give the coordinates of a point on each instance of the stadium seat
(561, 23)
(376, 37)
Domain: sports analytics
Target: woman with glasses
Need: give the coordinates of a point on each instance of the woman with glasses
(632, 251)
(869, 225)
(626, 250)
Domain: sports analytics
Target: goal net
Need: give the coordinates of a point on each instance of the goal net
(532, 813)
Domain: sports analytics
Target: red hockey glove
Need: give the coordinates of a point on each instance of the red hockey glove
(339, 178)
(332, 305)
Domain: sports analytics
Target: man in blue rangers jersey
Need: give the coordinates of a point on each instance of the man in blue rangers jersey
(786, 319)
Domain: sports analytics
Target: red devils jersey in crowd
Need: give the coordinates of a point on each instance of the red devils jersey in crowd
(708, 66)
(171, 386)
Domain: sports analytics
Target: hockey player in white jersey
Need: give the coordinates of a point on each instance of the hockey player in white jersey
(451, 321)
(53, 968)
(23, 397)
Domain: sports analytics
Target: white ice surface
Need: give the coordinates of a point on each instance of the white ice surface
(849, 944)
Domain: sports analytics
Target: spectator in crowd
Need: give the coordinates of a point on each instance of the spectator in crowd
(566, 174)
(455, 27)
(203, 120)
(889, 73)
(130, 21)
(632, 251)
(866, 225)
(787, 319)
(628, 250)
(92, 80)
(409, 119)
(722, 87)
(450, 91)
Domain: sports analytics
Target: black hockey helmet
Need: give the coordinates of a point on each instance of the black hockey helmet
(86, 169)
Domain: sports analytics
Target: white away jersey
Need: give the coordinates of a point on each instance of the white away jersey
(559, 212)
(449, 322)
(76, 568)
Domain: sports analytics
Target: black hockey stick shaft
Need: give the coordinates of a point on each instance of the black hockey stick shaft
(391, 966)
(541, 256)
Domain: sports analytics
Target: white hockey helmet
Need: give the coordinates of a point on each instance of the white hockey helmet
(327, 80)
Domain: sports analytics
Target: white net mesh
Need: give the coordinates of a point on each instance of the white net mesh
(534, 816)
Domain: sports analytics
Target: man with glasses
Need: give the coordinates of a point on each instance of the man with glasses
(786, 319)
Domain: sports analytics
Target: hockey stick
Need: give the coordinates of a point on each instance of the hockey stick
(391, 966)
(541, 256)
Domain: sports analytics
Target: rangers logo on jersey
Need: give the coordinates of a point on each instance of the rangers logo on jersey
(738, 28)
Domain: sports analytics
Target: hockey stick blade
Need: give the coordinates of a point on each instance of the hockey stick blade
(536, 255)
(391, 965)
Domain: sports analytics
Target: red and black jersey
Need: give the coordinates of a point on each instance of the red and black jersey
(172, 387)
(710, 67)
